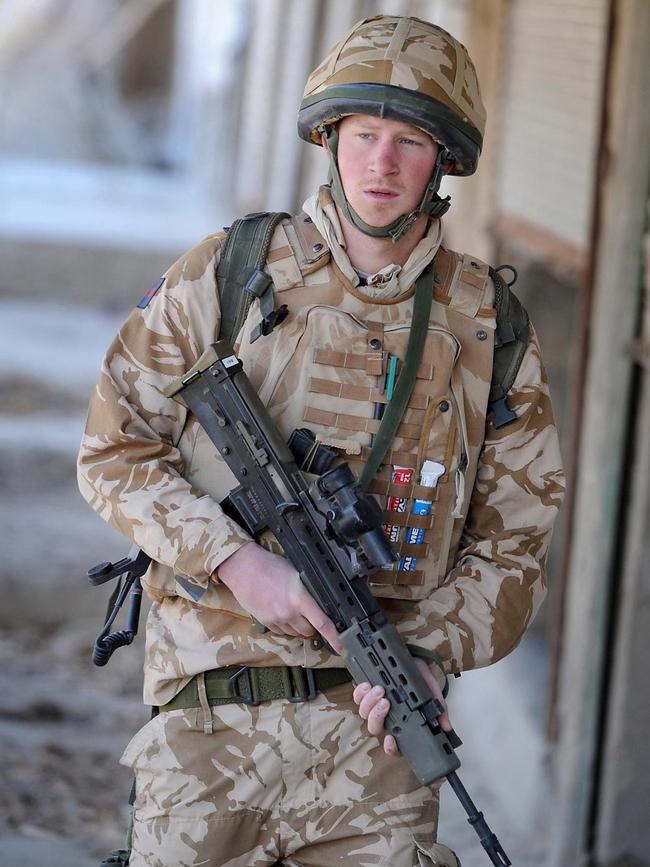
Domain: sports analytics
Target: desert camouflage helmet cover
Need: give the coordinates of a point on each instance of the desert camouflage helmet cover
(404, 69)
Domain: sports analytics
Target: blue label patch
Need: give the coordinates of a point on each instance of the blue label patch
(146, 298)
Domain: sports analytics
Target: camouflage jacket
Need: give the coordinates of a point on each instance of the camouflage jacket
(471, 575)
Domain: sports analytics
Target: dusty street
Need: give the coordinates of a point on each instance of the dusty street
(63, 722)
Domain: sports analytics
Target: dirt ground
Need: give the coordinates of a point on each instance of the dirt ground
(64, 722)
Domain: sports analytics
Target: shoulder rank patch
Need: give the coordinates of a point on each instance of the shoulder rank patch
(148, 295)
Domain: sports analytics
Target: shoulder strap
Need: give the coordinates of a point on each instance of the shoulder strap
(510, 342)
(396, 407)
(241, 278)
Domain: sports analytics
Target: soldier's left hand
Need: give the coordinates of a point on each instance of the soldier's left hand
(374, 707)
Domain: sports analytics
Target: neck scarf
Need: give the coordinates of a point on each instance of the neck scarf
(390, 281)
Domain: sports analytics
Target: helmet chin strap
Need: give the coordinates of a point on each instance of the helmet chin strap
(431, 203)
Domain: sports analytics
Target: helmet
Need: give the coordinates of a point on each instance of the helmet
(403, 69)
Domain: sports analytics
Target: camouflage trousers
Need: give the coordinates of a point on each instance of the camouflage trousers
(302, 785)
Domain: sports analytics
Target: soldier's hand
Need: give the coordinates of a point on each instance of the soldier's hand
(269, 588)
(374, 707)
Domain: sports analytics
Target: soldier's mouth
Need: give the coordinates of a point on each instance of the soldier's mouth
(381, 194)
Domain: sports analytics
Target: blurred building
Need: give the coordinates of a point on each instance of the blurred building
(130, 129)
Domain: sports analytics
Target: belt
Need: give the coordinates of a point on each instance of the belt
(237, 684)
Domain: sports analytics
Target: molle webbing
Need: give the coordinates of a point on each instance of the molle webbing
(356, 361)
(348, 422)
(390, 578)
(384, 487)
(392, 457)
(406, 519)
(347, 391)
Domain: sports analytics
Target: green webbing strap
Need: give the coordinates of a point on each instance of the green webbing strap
(241, 684)
(395, 410)
(510, 342)
(432, 658)
(240, 275)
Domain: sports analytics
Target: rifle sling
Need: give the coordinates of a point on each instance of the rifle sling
(397, 407)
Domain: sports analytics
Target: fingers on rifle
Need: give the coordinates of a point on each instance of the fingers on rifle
(373, 708)
(443, 719)
(390, 746)
(377, 717)
(360, 691)
(297, 627)
(321, 623)
(304, 627)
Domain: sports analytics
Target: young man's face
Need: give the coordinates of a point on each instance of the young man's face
(385, 166)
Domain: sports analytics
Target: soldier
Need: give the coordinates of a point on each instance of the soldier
(299, 778)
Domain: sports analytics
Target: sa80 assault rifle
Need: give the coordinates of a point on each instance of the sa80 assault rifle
(332, 533)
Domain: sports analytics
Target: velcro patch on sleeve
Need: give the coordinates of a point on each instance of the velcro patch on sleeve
(149, 294)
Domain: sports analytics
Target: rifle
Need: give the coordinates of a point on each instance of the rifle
(331, 531)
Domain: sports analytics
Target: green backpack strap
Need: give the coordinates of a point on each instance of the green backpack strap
(241, 278)
(510, 342)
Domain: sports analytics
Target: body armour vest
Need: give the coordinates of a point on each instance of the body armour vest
(328, 367)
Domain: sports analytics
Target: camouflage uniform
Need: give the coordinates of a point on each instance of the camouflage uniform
(242, 786)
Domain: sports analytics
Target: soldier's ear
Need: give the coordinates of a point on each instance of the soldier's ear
(325, 143)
